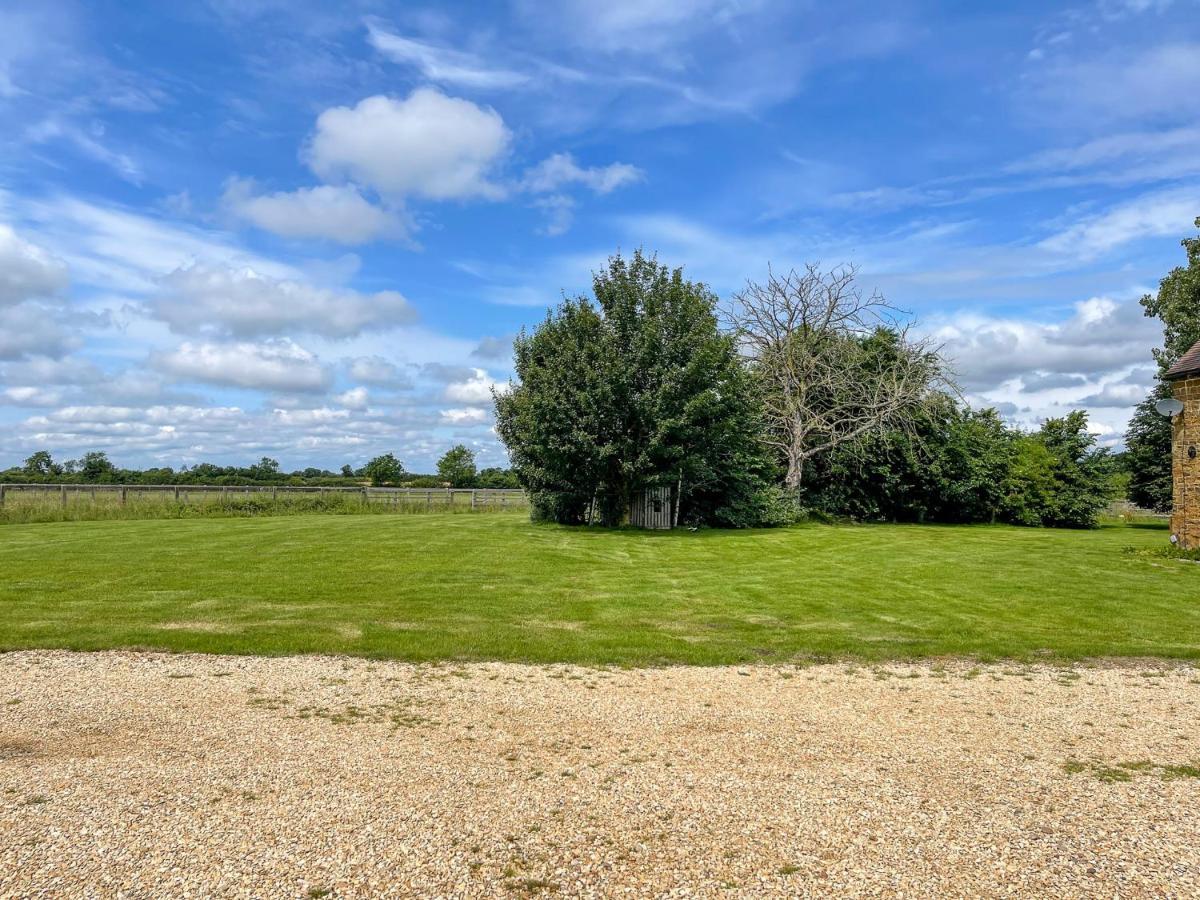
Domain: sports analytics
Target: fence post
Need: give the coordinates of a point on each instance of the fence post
(122, 495)
(428, 499)
(472, 499)
(1, 495)
(176, 493)
(62, 490)
(273, 490)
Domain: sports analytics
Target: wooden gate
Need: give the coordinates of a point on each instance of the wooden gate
(651, 508)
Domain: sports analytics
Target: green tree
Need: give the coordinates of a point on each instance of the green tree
(1148, 436)
(95, 466)
(1148, 453)
(496, 477)
(1177, 305)
(949, 465)
(347, 471)
(265, 469)
(634, 390)
(1059, 478)
(457, 467)
(41, 465)
(385, 469)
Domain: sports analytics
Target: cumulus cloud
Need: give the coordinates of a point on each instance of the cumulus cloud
(27, 272)
(1049, 381)
(376, 370)
(34, 329)
(1101, 336)
(464, 416)
(334, 212)
(442, 64)
(242, 303)
(355, 398)
(428, 145)
(277, 365)
(477, 388)
(31, 395)
(494, 347)
(560, 170)
(306, 418)
(1116, 395)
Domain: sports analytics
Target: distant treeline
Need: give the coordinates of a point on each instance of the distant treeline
(455, 469)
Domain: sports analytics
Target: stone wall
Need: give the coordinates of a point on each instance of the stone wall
(1185, 468)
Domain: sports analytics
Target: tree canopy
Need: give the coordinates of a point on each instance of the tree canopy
(1148, 435)
(457, 467)
(633, 389)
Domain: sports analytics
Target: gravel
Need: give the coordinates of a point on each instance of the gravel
(139, 775)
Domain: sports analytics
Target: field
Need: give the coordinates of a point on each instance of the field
(27, 503)
(495, 587)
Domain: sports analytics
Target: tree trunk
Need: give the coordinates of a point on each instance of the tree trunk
(795, 472)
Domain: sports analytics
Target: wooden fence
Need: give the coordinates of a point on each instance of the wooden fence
(477, 498)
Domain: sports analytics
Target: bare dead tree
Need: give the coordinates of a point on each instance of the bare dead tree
(807, 334)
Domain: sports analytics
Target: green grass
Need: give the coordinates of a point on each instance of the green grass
(28, 506)
(496, 587)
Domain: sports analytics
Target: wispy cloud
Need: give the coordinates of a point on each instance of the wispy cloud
(443, 65)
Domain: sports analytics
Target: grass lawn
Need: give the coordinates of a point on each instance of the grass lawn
(496, 587)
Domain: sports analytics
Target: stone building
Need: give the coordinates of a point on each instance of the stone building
(1185, 450)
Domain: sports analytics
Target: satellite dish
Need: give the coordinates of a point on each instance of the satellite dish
(1169, 407)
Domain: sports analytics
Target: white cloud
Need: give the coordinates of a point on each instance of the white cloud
(442, 64)
(34, 329)
(1174, 145)
(376, 370)
(560, 213)
(1119, 396)
(475, 389)
(1138, 84)
(27, 272)
(1102, 336)
(561, 169)
(427, 145)
(87, 143)
(1167, 212)
(464, 416)
(355, 398)
(114, 249)
(278, 365)
(333, 212)
(494, 347)
(31, 395)
(308, 417)
(634, 26)
(243, 303)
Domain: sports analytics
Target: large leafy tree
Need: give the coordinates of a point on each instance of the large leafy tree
(1147, 455)
(1148, 437)
(1059, 478)
(385, 469)
(41, 465)
(457, 467)
(1177, 305)
(634, 389)
(949, 465)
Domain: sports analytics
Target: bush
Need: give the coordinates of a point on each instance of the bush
(766, 507)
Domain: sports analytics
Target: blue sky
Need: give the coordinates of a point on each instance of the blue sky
(310, 230)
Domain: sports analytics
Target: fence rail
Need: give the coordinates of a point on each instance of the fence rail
(476, 498)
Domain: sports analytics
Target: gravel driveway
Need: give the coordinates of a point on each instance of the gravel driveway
(152, 775)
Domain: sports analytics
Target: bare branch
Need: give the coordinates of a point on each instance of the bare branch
(838, 364)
